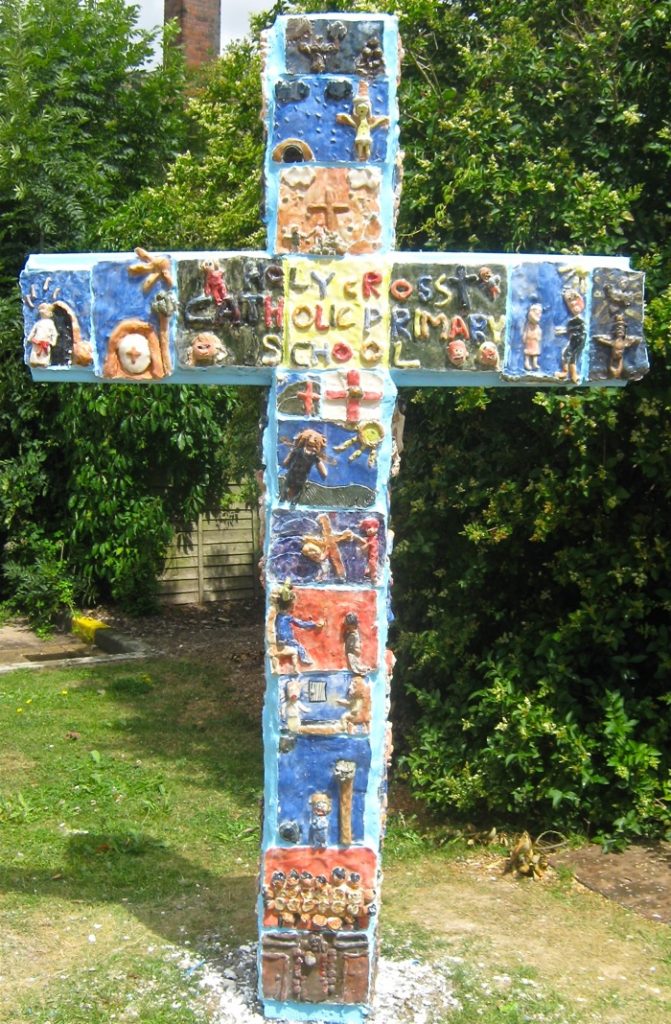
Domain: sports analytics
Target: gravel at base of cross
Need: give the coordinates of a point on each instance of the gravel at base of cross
(406, 991)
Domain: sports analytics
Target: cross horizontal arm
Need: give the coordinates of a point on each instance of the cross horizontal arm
(440, 319)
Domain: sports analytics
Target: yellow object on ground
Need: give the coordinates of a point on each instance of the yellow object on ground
(86, 628)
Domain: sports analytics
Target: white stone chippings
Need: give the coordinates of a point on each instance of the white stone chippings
(406, 991)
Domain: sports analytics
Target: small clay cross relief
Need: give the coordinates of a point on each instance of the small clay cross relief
(354, 394)
(333, 318)
(324, 549)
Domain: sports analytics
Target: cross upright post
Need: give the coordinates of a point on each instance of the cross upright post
(333, 319)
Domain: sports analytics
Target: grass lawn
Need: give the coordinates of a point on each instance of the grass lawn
(129, 831)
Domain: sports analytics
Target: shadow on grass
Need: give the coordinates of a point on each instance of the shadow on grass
(148, 796)
(203, 716)
(183, 901)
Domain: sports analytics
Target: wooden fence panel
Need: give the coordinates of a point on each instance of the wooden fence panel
(217, 561)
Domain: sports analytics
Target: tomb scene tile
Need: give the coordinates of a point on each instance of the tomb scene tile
(57, 318)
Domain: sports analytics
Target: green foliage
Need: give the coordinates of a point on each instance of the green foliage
(533, 548)
(536, 641)
(37, 578)
(108, 474)
(211, 197)
(83, 123)
(140, 464)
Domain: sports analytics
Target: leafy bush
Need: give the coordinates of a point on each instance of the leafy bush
(534, 598)
(38, 581)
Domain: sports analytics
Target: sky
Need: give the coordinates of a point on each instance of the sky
(234, 15)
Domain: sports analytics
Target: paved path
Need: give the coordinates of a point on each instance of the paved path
(20, 648)
(18, 644)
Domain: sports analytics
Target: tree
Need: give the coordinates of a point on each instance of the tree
(83, 124)
(532, 544)
(93, 479)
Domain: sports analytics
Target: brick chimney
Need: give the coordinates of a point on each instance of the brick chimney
(200, 28)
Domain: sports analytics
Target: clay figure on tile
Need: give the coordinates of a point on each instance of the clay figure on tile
(337, 764)
(352, 640)
(460, 282)
(133, 351)
(43, 336)
(575, 333)
(617, 350)
(618, 341)
(307, 451)
(156, 270)
(320, 809)
(487, 357)
(457, 353)
(489, 283)
(207, 350)
(323, 549)
(291, 708)
(363, 121)
(281, 625)
(344, 772)
(532, 337)
(358, 703)
(370, 544)
(214, 285)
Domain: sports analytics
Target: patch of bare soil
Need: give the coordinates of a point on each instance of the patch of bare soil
(187, 630)
(503, 920)
(638, 877)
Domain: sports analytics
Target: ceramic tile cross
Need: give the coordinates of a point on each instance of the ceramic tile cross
(333, 319)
